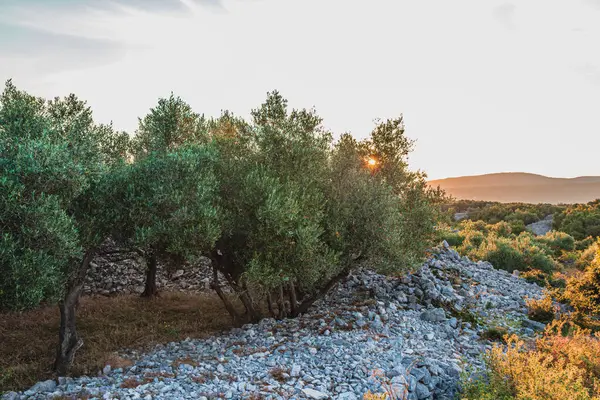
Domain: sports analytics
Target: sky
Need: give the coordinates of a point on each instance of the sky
(484, 86)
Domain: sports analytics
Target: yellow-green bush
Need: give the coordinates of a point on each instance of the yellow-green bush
(555, 279)
(501, 229)
(580, 220)
(450, 235)
(541, 310)
(583, 289)
(555, 367)
(587, 256)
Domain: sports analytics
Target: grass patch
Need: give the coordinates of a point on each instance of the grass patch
(494, 334)
(465, 315)
(107, 325)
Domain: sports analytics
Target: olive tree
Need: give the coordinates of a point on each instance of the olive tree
(165, 197)
(270, 175)
(52, 156)
(39, 181)
(166, 205)
(299, 213)
(420, 205)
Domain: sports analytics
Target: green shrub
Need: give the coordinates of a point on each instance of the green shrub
(454, 239)
(508, 253)
(580, 220)
(557, 241)
(584, 243)
(474, 239)
(517, 226)
(502, 229)
(479, 226)
(524, 216)
(536, 255)
(502, 254)
(538, 259)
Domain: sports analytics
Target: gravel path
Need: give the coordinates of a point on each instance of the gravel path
(409, 332)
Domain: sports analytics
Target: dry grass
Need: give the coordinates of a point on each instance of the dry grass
(279, 374)
(107, 325)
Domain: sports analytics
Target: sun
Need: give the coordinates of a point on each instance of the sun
(372, 162)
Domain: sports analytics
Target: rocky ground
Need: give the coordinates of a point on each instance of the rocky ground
(541, 227)
(415, 334)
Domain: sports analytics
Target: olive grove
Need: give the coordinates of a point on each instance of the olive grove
(282, 210)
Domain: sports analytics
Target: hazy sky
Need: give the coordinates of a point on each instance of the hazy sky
(484, 85)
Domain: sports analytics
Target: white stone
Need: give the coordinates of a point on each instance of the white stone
(315, 394)
(295, 372)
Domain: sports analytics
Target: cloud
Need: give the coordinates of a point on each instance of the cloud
(48, 36)
(177, 6)
(593, 3)
(505, 14)
(590, 72)
(49, 51)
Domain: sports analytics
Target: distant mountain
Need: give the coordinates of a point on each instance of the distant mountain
(508, 187)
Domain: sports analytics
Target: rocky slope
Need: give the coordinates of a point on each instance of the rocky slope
(416, 333)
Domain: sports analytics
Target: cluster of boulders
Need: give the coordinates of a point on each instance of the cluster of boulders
(412, 335)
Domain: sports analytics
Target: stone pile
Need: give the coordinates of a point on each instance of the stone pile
(117, 271)
(453, 284)
(541, 227)
(416, 334)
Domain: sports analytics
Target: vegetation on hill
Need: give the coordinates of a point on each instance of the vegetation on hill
(281, 209)
(517, 214)
(563, 363)
(579, 220)
(510, 251)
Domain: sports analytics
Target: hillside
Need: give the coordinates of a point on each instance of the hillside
(522, 187)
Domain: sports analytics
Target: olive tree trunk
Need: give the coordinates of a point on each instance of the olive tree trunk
(69, 340)
(150, 289)
(228, 306)
(308, 302)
